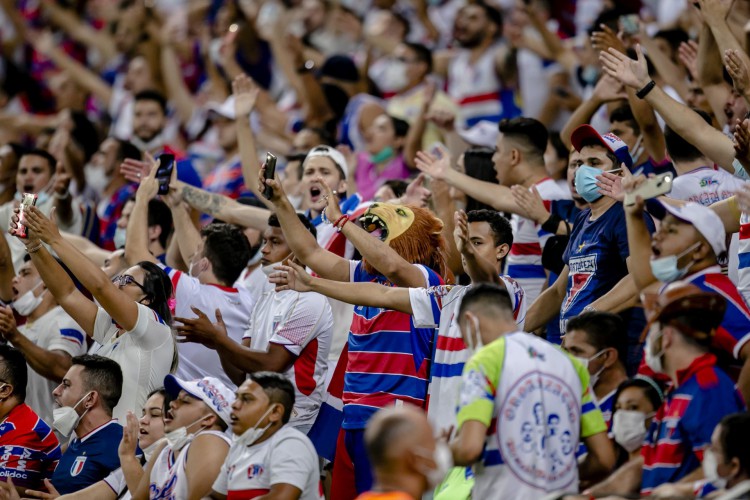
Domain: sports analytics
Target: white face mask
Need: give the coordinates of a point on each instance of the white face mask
(151, 145)
(148, 451)
(710, 469)
(28, 302)
(629, 428)
(96, 178)
(178, 438)
(474, 336)
(250, 436)
(119, 237)
(394, 77)
(443, 459)
(269, 269)
(65, 418)
(654, 360)
(593, 377)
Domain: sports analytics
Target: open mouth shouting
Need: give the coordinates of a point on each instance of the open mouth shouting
(374, 225)
(316, 194)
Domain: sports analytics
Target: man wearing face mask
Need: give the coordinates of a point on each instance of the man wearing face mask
(690, 245)
(196, 443)
(288, 332)
(268, 457)
(682, 322)
(85, 399)
(516, 386)
(407, 461)
(726, 463)
(49, 339)
(216, 254)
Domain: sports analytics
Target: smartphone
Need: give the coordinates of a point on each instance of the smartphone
(653, 187)
(164, 172)
(629, 24)
(269, 173)
(28, 200)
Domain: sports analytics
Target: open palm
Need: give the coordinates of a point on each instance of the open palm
(245, 95)
(625, 70)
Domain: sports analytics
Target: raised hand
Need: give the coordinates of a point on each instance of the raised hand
(200, 330)
(135, 170)
(245, 95)
(332, 210)
(8, 327)
(129, 441)
(610, 185)
(277, 193)
(715, 11)
(737, 70)
(437, 168)
(149, 185)
(625, 70)
(605, 39)
(291, 277)
(461, 232)
(630, 182)
(688, 55)
(530, 202)
(416, 193)
(42, 227)
(742, 142)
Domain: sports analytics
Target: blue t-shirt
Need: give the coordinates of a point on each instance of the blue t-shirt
(595, 257)
(89, 459)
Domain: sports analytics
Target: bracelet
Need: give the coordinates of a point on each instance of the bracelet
(551, 224)
(645, 90)
(340, 227)
(35, 249)
(336, 224)
(62, 196)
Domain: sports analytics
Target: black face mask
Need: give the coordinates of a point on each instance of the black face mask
(336, 98)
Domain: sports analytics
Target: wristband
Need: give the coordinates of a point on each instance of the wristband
(645, 90)
(336, 224)
(342, 221)
(34, 249)
(551, 224)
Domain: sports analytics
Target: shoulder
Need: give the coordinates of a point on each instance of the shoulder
(209, 439)
(289, 436)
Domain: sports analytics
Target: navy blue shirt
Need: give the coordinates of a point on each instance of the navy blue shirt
(89, 459)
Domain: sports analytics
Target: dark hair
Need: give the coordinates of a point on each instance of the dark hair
(680, 150)
(422, 53)
(603, 330)
(392, 429)
(323, 134)
(493, 14)
(403, 21)
(649, 387)
(400, 127)
(51, 161)
(278, 389)
(559, 146)
(530, 132)
(126, 149)
(227, 249)
(735, 438)
(693, 321)
(14, 370)
(488, 296)
(158, 289)
(160, 215)
(273, 221)
(478, 164)
(152, 95)
(102, 375)
(625, 114)
(591, 142)
(501, 229)
(398, 186)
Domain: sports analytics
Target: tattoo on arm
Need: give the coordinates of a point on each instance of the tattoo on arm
(212, 204)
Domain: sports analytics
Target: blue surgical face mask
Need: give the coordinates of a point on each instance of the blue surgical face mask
(666, 269)
(384, 154)
(586, 183)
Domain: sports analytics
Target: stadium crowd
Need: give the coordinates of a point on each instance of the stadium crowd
(374, 249)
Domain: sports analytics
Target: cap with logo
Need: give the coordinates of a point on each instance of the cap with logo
(210, 390)
(609, 140)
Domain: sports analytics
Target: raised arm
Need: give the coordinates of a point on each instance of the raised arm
(547, 305)
(116, 302)
(136, 244)
(606, 90)
(477, 267)
(245, 97)
(686, 122)
(80, 31)
(178, 91)
(7, 271)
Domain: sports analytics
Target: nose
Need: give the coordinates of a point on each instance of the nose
(57, 392)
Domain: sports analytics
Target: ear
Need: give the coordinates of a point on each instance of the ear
(501, 251)
(342, 187)
(154, 232)
(277, 414)
(703, 251)
(667, 337)
(515, 156)
(734, 467)
(91, 400)
(610, 357)
(6, 392)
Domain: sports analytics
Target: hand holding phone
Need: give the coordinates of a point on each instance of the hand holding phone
(269, 173)
(164, 172)
(653, 187)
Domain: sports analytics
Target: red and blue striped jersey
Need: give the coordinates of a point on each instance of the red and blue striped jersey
(388, 355)
(226, 178)
(682, 427)
(29, 450)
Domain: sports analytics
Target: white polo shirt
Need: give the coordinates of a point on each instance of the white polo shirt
(236, 305)
(54, 331)
(287, 457)
(302, 323)
(145, 354)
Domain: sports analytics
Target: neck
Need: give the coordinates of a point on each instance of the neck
(93, 419)
(229, 153)
(155, 248)
(684, 167)
(528, 176)
(600, 206)
(397, 481)
(476, 52)
(253, 267)
(7, 406)
(269, 432)
(609, 380)
(678, 361)
(45, 307)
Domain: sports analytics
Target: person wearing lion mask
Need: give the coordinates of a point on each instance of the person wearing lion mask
(388, 358)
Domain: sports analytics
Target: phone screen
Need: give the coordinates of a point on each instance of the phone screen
(269, 173)
(164, 172)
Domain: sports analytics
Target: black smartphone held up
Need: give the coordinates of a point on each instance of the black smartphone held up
(164, 172)
(269, 173)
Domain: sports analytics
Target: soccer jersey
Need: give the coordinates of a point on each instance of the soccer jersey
(596, 258)
(743, 251)
(226, 179)
(287, 457)
(439, 306)
(54, 331)
(302, 323)
(89, 459)
(681, 430)
(524, 262)
(236, 305)
(109, 211)
(536, 403)
(29, 450)
(705, 185)
(388, 355)
(168, 480)
(145, 355)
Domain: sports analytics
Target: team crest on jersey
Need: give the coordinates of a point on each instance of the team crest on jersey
(582, 269)
(254, 470)
(540, 420)
(77, 466)
(534, 354)
(708, 181)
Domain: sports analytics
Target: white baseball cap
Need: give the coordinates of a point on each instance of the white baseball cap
(225, 109)
(483, 133)
(706, 222)
(210, 390)
(332, 153)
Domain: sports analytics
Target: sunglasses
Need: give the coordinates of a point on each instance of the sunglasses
(126, 279)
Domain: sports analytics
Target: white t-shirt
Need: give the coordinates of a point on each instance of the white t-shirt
(236, 305)
(145, 354)
(54, 331)
(705, 185)
(287, 457)
(438, 306)
(168, 480)
(302, 323)
(116, 481)
(254, 282)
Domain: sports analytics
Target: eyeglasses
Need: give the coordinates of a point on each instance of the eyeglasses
(126, 279)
